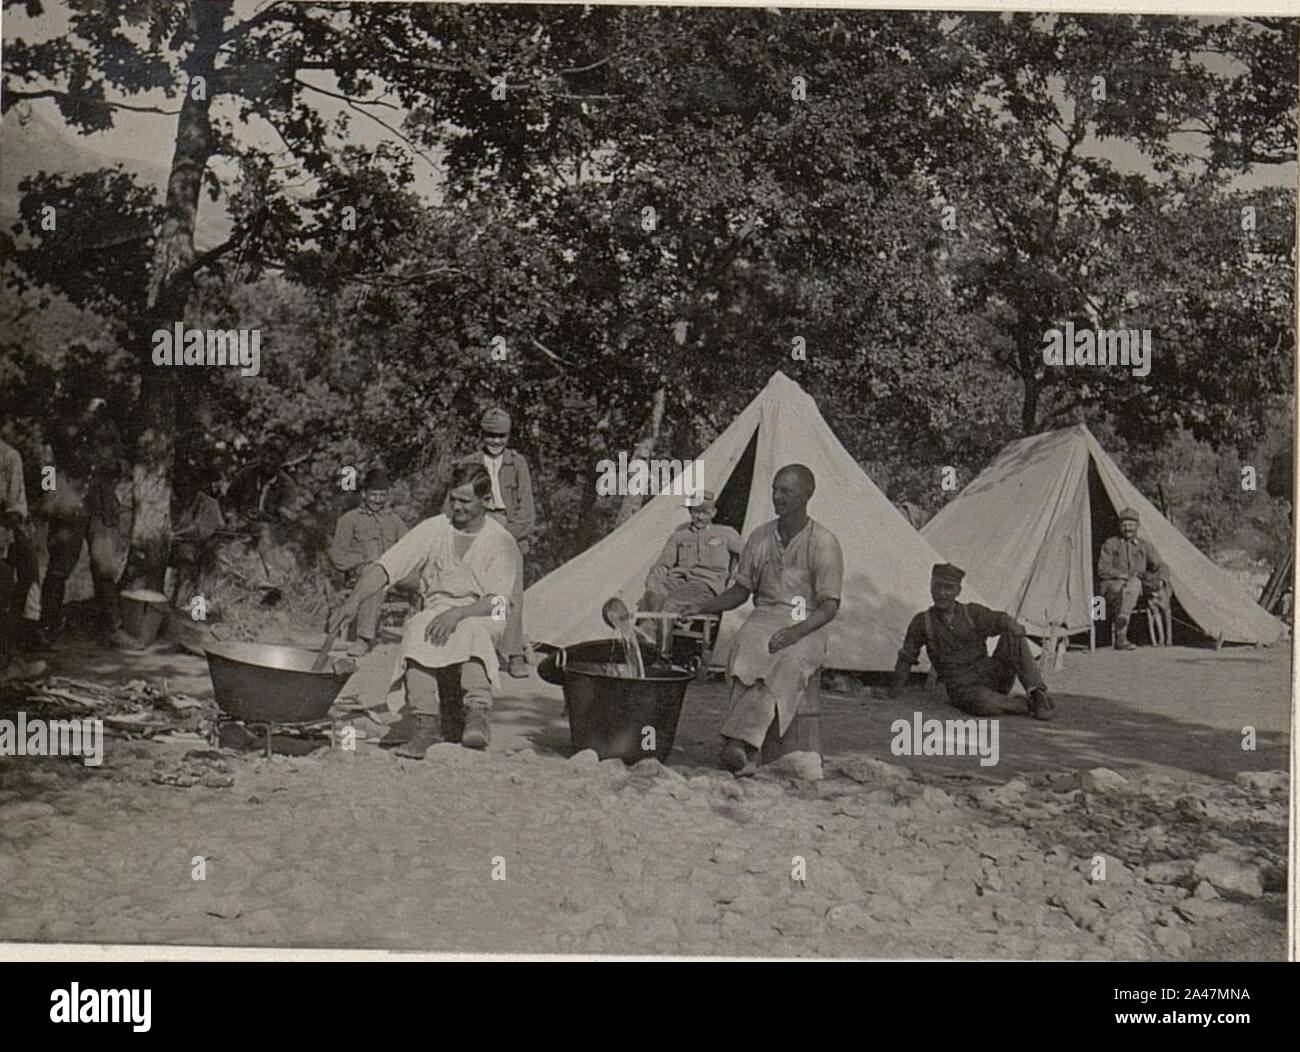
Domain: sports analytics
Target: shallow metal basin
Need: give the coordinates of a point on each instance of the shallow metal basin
(271, 684)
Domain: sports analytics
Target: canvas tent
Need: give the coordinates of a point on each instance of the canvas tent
(886, 562)
(1028, 531)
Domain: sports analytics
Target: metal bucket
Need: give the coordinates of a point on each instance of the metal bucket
(142, 614)
(270, 684)
(610, 713)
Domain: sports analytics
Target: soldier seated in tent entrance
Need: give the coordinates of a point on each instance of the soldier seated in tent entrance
(362, 536)
(1129, 569)
(467, 564)
(794, 569)
(954, 635)
(695, 563)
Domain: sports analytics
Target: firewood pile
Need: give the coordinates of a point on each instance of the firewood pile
(135, 709)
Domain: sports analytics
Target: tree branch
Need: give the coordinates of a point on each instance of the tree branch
(538, 344)
(352, 104)
(11, 97)
(277, 12)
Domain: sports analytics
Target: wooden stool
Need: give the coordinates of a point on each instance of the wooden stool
(1160, 626)
(805, 731)
(702, 628)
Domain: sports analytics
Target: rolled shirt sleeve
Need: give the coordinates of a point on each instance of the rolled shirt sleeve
(913, 641)
(826, 561)
(407, 556)
(734, 544)
(750, 562)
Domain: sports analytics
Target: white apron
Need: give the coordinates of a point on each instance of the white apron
(487, 568)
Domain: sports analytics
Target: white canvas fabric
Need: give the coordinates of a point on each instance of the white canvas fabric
(1022, 532)
(886, 562)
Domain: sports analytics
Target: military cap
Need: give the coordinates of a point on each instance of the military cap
(706, 501)
(1129, 515)
(376, 478)
(496, 421)
(947, 572)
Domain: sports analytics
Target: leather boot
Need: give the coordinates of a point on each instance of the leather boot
(425, 734)
(478, 731)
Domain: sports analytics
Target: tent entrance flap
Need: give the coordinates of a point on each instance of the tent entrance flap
(1105, 516)
(734, 496)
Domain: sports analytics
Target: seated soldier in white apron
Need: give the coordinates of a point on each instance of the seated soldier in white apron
(794, 569)
(466, 562)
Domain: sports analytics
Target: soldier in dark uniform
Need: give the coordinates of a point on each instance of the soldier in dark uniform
(954, 636)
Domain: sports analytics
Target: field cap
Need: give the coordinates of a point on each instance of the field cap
(706, 501)
(1129, 515)
(376, 478)
(496, 421)
(947, 572)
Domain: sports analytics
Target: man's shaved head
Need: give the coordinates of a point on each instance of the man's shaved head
(804, 476)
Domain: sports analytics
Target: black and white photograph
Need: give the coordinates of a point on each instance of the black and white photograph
(594, 481)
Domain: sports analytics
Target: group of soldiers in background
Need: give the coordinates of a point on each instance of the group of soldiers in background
(85, 502)
(79, 504)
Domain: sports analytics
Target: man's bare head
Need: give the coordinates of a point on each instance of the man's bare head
(792, 488)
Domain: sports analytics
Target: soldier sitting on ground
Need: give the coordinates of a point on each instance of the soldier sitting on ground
(954, 635)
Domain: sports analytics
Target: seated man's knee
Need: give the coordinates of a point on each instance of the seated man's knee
(422, 688)
(977, 701)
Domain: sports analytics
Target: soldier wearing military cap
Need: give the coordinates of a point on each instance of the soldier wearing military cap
(511, 504)
(1127, 569)
(362, 536)
(954, 635)
(696, 561)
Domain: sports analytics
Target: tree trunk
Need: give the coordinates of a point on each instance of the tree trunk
(170, 283)
(644, 451)
(1029, 407)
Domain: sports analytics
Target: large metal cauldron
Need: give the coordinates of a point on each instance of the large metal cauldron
(608, 712)
(269, 684)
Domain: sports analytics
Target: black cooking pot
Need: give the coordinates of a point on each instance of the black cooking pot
(613, 714)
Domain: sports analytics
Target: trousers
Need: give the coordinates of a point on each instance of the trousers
(423, 696)
(64, 543)
(981, 689)
(26, 568)
(753, 707)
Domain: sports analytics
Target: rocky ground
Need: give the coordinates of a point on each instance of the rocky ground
(524, 849)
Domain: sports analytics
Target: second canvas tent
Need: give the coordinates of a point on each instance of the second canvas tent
(1029, 528)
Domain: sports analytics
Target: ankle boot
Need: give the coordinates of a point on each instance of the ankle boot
(422, 737)
(478, 731)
